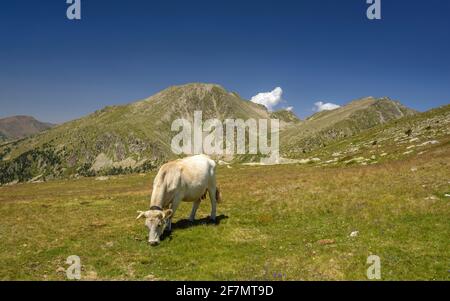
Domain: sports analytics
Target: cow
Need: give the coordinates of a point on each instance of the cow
(184, 180)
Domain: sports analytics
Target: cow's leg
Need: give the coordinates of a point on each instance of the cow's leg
(174, 207)
(212, 197)
(169, 225)
(194, 210)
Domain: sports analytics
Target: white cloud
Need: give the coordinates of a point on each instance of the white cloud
(290, 109)
(320, 106)
(269, 99)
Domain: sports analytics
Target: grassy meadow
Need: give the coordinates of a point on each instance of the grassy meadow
(292, 220)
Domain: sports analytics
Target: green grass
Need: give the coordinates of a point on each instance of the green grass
(273, 220)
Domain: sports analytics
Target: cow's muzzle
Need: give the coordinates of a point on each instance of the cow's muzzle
(153, 243)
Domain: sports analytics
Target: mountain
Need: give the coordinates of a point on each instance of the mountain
(421, 134)
(285, 116)
(131, 138)
(17, 127)
(326, 127)
(136, 137)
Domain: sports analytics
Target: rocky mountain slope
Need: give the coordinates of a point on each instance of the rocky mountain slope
(326, 127)
(411, 136)
(17, 127)
(136, 137)
(129, 138)
(285, 116)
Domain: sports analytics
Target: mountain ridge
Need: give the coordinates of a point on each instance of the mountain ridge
(327, 126)
(136, 137)
(119, 139)
(21, 126)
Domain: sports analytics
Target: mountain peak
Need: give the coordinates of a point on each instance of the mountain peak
(197, 90)
(194, 88)
(200, 86)
(285, 116)
(20, 126)
(17, 117)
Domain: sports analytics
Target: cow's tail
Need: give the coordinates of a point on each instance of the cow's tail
(218, 195)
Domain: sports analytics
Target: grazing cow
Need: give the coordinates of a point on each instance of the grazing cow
(184, 180)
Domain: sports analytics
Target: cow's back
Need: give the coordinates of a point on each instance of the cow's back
(187, 178)
(197, 175)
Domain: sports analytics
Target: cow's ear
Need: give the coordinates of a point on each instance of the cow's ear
(168, 213)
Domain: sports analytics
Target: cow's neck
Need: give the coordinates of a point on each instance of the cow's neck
(156, 208)
(158, 204)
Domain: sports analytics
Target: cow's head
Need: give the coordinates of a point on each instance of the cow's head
(156, 221)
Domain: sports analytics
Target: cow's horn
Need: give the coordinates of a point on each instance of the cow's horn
(141, 214)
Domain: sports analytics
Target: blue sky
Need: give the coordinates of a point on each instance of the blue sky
(315, 50)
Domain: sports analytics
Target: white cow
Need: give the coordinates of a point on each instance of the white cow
(184, 180)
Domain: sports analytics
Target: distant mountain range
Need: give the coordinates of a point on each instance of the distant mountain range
(328, 126)
(17, 127)
(136, 137)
